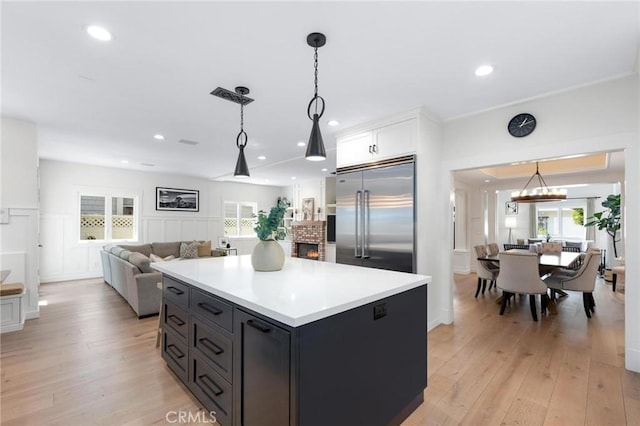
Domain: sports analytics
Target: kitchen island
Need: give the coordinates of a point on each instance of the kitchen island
(313, 344)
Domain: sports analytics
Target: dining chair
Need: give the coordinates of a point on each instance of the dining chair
(494, 249)
(551, 248)
(485, 270)
(583, 280)
(519, 275)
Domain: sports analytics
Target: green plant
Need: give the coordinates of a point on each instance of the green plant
(268, 226)
(608, 220)
(578, 216)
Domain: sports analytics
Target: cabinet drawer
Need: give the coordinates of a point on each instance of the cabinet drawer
(213, 391)
(212, 309)
(174, 352)
(176, 291)
(212, 346)
(176, 319)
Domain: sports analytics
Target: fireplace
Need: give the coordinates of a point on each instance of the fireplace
(308, 251)
(309, 233)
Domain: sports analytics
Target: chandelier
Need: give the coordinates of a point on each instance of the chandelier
(538, 195)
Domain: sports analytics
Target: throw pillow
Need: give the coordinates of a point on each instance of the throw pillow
(156, 258)
(189, 250)
(141, 261)
(124, 255)
(204, 249)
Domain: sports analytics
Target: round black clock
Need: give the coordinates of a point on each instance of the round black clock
(522, 125)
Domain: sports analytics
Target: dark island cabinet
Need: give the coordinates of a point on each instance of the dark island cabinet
(263, 369)
(364, 366)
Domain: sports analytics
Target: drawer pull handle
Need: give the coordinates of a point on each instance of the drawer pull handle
(175, 291)
(211, 346)
(210, 385)
(259, 325)
(175, 351)
(176, 320)
(206, 307)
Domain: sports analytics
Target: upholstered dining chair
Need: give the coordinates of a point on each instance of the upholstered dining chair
(493, 249)
(584, 280)
(485, 270)
(551, 248)
(519, 275)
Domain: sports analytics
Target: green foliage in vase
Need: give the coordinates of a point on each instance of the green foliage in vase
(268, 226)
(578, 216)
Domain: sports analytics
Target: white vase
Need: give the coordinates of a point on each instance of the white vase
(267, 256)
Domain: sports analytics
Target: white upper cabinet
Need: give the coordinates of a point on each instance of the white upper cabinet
(377, 144)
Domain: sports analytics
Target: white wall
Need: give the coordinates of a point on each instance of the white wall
(64, 257)
(19, 194)
(595, 118)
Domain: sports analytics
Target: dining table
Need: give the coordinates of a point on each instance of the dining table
(562, 259)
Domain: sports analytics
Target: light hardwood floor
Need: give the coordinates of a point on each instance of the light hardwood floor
(89, 360)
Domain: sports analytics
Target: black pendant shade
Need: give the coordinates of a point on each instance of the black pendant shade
(242, 170)
(315, 147)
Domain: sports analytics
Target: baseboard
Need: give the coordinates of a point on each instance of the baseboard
(433, 324)
(11, 327)
(632, 360)
(32, 315)
(69, 277)
(465, 271)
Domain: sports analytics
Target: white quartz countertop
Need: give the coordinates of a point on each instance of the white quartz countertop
(302, 292)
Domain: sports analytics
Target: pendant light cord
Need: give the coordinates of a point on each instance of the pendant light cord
(315, 65)
(240, 144)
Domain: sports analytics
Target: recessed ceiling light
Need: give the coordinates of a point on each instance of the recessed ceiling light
(293, 177)
(301, 144)
(159, 137)
(262, 157)
(483, 70)
(124, 161)
(324, 170)
(333, 122)
(98, 33)
(487, 181)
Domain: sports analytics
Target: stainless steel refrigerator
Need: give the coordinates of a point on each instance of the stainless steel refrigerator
(375, 215)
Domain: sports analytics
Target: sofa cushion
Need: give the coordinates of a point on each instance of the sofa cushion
(124, 255)
(204, 249)
(166, 249)
(116, 250)
(141, 261)
(142, 248)
(189, 250)
(156, 258)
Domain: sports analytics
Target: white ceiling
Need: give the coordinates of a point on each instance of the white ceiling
(100, 103)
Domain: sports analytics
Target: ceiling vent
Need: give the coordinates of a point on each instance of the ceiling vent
(228, 95)
(188, 142)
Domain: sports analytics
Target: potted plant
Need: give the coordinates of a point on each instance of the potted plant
(268, 254)
(608, 220)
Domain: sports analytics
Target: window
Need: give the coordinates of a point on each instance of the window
(566, 222)
(108, 217)
(239, 218)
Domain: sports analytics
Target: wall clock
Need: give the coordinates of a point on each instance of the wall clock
(511, 208)
(522, 125)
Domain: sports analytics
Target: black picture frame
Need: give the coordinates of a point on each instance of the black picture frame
(176, 199)
(511, 208)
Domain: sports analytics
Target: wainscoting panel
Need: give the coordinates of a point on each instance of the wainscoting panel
(189, 231)
(173, 230)
(152, 230)
(460, 262)
(52, 240)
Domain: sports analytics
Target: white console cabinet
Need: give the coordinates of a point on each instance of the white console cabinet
(387, 141)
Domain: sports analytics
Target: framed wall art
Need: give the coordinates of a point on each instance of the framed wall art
(174, 199)
(307, 209)
(511, 208)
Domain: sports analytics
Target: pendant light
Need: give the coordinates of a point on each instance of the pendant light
(315, 147)
(534, 196)
(242, 170)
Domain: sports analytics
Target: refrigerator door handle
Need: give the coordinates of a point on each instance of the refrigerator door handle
(357, 215)
(365, 222)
